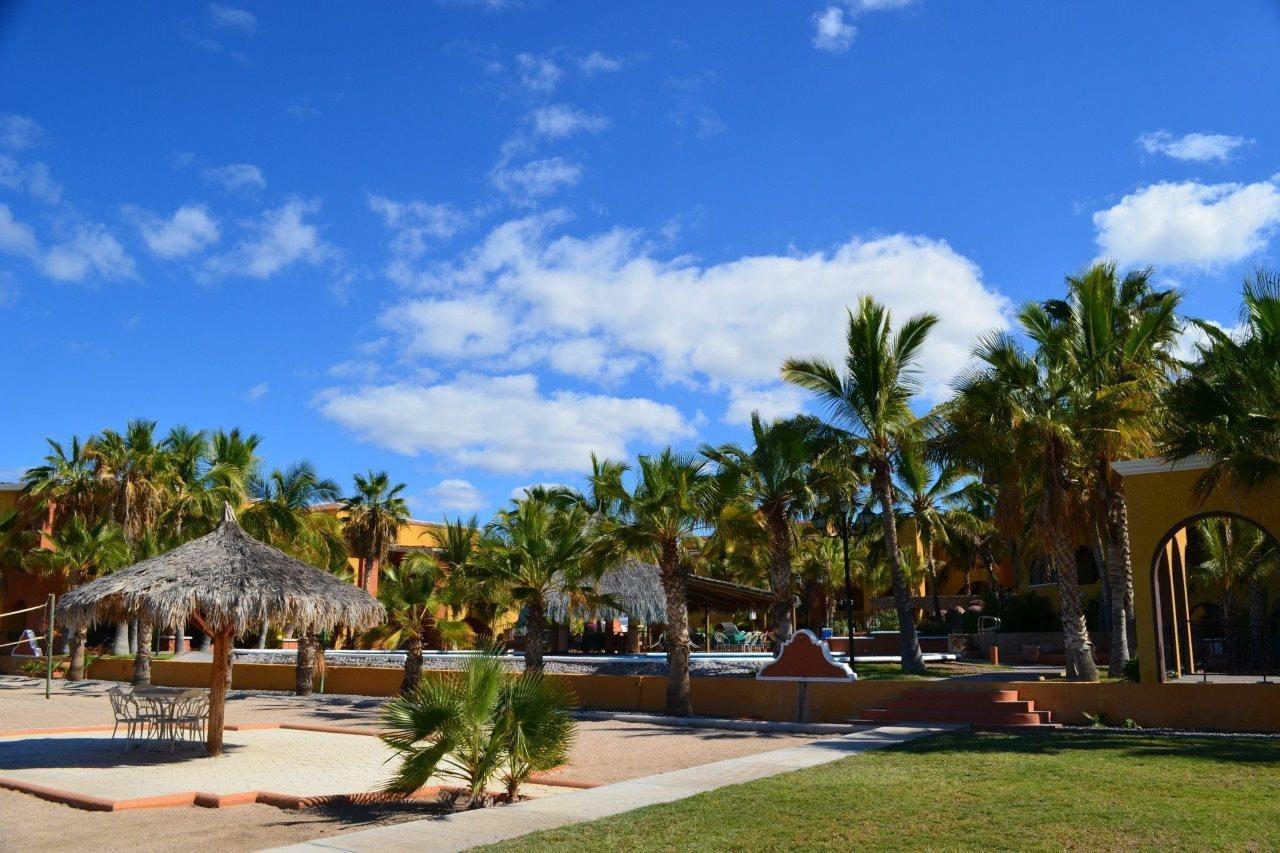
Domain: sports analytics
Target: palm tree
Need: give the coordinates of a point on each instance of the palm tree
(410, 593)
(374, 516)
(773, 478)
(538, 546)
(468, 588)
(1121, 332)
(1044, 413)
(78, 552)
(926, 493)
(1225, 406)
(1236, 553)
(66, 484)
(280, 514)
(870, 402)
(672, 497)
(187, 457)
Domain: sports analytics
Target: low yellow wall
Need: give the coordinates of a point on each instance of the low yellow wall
(1226, 707)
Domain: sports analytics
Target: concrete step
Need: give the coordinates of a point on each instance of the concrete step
(1013, 706)
(952, 715)
(963, 695)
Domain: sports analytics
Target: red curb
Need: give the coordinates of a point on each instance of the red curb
(56, 730)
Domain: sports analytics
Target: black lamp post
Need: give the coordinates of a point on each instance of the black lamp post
(843, 524)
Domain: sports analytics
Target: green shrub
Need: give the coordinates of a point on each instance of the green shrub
(1132, 671)
(478, 725)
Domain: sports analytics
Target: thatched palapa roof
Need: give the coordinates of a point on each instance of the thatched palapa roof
(227, 580)
(637, 588)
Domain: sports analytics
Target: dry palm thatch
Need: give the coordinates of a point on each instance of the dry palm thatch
(227, 582)
(635, 586)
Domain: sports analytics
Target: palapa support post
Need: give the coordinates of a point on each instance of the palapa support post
(218, 692)
(48, 650)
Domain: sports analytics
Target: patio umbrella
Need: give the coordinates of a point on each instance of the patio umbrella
(228, 583)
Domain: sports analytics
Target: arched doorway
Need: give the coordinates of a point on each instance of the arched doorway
(1215, 582)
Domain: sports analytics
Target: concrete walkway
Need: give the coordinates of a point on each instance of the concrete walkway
(486, 826)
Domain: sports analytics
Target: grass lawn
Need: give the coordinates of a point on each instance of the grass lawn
(962, 791)
(945, 669)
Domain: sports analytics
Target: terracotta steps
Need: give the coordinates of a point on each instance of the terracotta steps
(995, 709)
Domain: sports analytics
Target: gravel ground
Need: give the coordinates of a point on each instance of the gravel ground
(609, 750)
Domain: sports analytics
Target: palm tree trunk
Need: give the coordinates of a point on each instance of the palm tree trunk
(1075, 633)
(372, 566)
(412, 665)
(79, 640)
(120, 645)
(1119, 575)
(179, 639)
(262, 635)
(304, 668)
(926, 542)
(780, 576)
(909, 643)
(533, 634)
(142, 658)
(679, 687)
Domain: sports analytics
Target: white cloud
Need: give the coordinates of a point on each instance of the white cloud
(1189, 223)
(877, 5)
(590, 358)
(538, 73)
(90, 250)
(467, 327)
(19, 132)
(281, 237)
(236, 176)
(597, 62)
(722, 325)
(503, 424)
(560, 120)
(257, 392)
(455, 495)
(536, 179)
(1193, 147)
(32, 178)
(16, 237)
(831, 32)
(190, 230)
(772, 402)
(1191, 337)
(230, 18)
(416, 223)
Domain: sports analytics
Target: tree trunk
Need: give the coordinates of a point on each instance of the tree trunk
(931, 565)
(79, 640)
(120, 645)
(909, 643)
(218, 691)
(1075, 633)
(262, 635)
(179, 639)
(142, 657)
(679, 689)
(533, 635)
(1119, 575)
(206, 642)
(372, 566)
(133, 637)
(780, 575)
(304, 669)
(413, 665)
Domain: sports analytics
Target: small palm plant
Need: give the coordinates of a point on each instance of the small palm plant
(476, 726)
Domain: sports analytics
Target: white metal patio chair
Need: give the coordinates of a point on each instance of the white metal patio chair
(129, 712)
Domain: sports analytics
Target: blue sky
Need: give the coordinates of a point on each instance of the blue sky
(471, 241)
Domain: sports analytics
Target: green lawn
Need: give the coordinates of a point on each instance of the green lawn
(961, 791)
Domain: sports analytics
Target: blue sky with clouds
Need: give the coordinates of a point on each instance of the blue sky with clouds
(470, 242)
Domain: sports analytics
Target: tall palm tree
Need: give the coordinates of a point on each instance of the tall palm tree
(1044, 411)
(672, 496)
(1238, 553)
(67, 483)
(1225, 406)
(133, 463)
(871, 403)
(538, 546)
(79, 551)
(468, 588)
(411, 594)
(1121, 333)
(280, 514)
(374, 515)
(187, 455)
(927, 493)
(773, 477)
